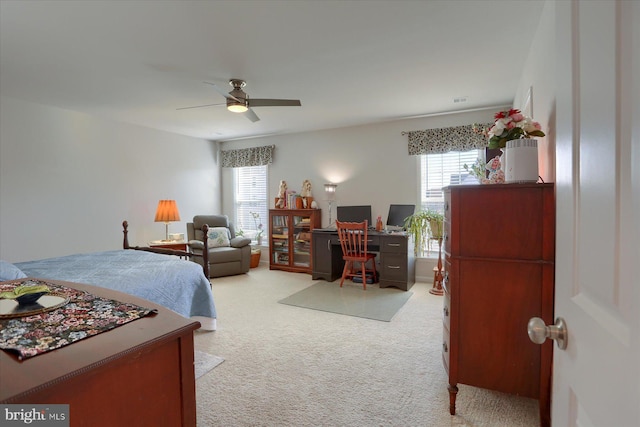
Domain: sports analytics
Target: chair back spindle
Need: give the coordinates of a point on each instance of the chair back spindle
(353, 241)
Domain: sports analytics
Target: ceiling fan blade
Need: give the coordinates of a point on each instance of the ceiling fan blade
(253, 102)
(222, 92)
(198, 106)
(251, 115)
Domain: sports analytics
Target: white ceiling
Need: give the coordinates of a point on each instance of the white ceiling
(349, 62)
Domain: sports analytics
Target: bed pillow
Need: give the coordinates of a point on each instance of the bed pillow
(9, 271)
(218, 237)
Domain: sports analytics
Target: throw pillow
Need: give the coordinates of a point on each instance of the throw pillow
(9, 271)
(218, 237)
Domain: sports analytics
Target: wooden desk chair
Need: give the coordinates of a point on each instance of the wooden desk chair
(353, 240)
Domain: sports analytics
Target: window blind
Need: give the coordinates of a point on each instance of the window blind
(438, 171)
(251, 198)
(441, 170)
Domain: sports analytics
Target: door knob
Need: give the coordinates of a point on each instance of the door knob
(539, 332)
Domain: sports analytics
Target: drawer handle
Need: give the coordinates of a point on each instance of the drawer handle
(393, 244)
(446, 206)
(395, 267)
(446, 311)
(446, 237)
(444, 347)
(445, 279)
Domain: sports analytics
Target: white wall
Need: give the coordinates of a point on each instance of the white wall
(539, 74)
(68, 180)
(370, 164)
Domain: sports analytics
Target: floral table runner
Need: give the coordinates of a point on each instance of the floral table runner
(83, 316)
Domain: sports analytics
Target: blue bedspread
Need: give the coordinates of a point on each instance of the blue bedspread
(166, 280)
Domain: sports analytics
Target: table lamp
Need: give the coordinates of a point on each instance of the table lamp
(167, 212)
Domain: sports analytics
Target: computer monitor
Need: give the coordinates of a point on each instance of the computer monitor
(354, 213)
(398, 214)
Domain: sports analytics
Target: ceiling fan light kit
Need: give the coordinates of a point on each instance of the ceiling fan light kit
(236, 107)
(238, 101)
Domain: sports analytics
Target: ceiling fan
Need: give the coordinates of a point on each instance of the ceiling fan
(239, 102)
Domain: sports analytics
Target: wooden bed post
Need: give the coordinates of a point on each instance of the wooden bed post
(205, 251)
(125, 242)
(182, 254)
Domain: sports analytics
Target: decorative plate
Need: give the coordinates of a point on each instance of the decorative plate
(10, 308)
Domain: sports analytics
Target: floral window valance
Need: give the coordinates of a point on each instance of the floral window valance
(254, 156)
(443, 140)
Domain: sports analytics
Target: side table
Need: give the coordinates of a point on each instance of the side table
(178, 245)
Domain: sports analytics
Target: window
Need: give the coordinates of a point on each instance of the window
(251, 200)
(440, 170)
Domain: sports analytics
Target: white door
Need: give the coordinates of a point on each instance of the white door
(596, 379)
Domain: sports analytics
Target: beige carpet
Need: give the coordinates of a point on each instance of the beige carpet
(290, 366)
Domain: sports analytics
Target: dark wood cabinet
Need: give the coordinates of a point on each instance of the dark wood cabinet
(327, 256)
(290, 239)
(397, 261)
(499, 247)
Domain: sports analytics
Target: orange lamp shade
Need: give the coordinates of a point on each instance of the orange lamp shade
(167, 211)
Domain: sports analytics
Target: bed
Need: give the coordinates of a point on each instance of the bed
(175, 283)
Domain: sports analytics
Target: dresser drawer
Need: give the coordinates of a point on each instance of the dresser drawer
(446, 354)
(446, 232)
(446, 276)
(446, 311)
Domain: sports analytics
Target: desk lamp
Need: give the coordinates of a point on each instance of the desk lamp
(167, 212)
(330, 190)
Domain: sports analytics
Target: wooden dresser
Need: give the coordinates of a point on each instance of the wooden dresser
(499, 247)
(140, 373)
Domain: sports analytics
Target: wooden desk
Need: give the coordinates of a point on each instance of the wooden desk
(395, 263)
(140, 373)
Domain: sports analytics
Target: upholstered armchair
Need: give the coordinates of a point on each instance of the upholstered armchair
(228, 254)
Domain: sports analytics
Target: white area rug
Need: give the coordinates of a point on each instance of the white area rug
(204, 362)
(374, 303)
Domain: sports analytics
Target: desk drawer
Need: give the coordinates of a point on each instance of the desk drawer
(372, 241)
(394, 244)
(393, 266)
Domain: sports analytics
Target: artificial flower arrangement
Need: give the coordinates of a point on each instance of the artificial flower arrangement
(477, 169)
(511, 124)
